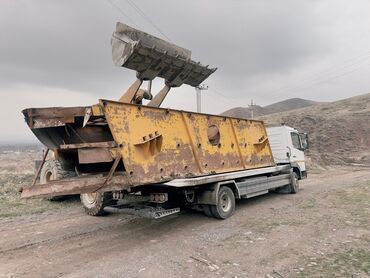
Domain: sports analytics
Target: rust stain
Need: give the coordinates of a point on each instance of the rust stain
(155, 144)
(184, 149)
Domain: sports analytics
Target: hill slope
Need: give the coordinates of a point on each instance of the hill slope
(285, 105)
(289, 104)
(339, 132)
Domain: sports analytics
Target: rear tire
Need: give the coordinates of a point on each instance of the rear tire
(94, 203)
(225, 203)
(53, 170)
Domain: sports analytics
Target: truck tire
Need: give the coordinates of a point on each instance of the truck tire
(291, 188)
(225, 203)
(294, 185)
(94, 203)
(53, 170)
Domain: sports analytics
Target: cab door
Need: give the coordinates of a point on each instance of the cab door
(297, 151)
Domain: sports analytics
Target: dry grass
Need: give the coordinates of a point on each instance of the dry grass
(16, 171)
(10, 203)
(353, 262)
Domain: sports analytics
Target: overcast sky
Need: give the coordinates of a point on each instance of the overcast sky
(58, 53)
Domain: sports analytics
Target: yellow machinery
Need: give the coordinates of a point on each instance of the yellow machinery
(119, 145)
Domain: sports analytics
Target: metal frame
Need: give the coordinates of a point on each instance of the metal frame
(226, 176)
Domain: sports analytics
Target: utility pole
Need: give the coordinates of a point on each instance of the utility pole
(198, 91)
(251, 106)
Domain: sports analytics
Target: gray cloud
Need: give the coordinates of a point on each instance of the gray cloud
(250, 38)
(66, 43)
(259, 46)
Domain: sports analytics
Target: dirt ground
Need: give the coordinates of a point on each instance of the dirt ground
(323, 231)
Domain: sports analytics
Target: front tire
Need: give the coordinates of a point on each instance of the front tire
(94, 203)
(225, 203)
(291, 188)
(294, 185)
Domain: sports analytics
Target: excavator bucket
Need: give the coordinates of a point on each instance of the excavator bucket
(153, 57)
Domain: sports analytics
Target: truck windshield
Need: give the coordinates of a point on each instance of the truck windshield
(295, 140)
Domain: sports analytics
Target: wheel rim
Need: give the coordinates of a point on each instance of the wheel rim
(225, 202)
(90, 197)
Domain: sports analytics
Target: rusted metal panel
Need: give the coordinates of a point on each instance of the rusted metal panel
(54, 112)
(157, 145)
(52, 117)
(44, 123)
(94, 155)
(96, 110)
(54, 137)
(179, 144)
(76, 186)
(110, 144)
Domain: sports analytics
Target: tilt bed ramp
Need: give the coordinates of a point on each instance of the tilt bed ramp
(132, 156)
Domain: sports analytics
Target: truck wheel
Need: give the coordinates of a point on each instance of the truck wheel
(52, 170)
(294, 185)
(225, 203)
(94, 203)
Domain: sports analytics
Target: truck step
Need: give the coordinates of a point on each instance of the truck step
(142, 211)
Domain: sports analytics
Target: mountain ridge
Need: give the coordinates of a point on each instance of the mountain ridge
(281, 106)
(339, 131)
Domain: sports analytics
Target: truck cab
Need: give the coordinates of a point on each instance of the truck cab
(288, 146)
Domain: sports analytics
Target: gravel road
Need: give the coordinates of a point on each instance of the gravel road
(322, 230)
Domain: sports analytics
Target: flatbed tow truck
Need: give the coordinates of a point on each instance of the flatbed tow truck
(204, 191)
(134, 157)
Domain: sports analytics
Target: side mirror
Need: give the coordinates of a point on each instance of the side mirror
(304, 141)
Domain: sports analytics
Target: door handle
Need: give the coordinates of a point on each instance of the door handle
(289, 153)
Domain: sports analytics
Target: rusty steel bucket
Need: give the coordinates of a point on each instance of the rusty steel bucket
(153, 57)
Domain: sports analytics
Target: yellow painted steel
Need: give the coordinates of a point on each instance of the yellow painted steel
(158, 144)
(96, 110)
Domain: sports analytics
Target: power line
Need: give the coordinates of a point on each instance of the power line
(335, 76)
(322, 74)
(224, 97)
(123, 13)
(319, 80)
(143, 14)
(345, 64)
